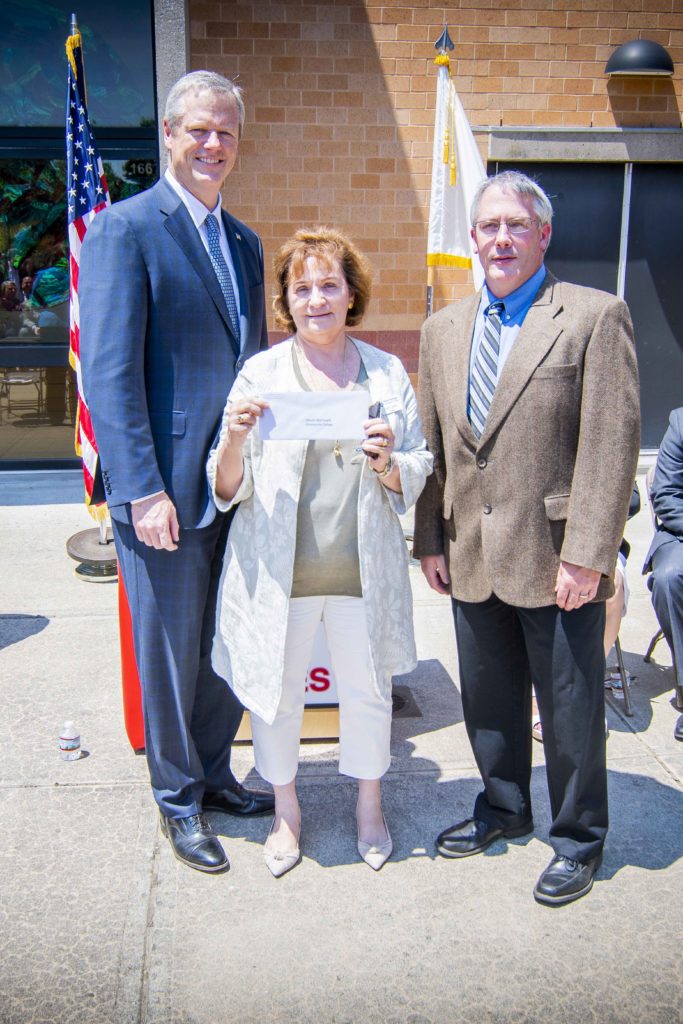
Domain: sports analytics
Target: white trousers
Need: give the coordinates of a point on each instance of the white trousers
(364, 716)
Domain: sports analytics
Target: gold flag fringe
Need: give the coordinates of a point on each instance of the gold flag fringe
(443, 60)
(98, 512)
(71, 44)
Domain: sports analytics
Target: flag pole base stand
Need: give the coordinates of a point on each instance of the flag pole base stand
(97, 560)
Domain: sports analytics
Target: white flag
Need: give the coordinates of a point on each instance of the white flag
(457, 169)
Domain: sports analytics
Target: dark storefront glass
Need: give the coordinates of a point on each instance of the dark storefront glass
(588, 204)
(117, 42)
(653, 286)
(587, 200)
(37, 395)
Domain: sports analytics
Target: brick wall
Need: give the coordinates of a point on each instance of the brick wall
(340, 108)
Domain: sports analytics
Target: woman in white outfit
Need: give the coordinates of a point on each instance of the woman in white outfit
(316, 535)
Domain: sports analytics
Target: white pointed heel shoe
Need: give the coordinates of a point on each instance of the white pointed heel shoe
(376, 856)
(278, 862)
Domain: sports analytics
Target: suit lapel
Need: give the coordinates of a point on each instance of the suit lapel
(181, 227)
(457, 344)
(236, 244)
(538, 334)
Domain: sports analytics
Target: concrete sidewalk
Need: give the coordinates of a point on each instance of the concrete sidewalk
(101, 925)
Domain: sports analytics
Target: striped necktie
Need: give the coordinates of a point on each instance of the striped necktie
(222, 272)
(484, 375)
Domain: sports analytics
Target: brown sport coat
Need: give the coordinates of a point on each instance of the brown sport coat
(551, 476)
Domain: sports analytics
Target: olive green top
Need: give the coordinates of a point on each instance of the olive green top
(326, 554)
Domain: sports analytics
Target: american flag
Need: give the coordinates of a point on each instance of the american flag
(87, 194)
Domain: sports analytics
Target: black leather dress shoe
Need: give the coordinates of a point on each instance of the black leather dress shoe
(238, 800)
(473, 836)
(565, 880)
(194, 842)
(678, 729)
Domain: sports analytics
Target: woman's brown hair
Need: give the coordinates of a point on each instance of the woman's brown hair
(325, 244)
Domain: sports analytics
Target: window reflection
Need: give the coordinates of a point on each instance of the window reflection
(37, 393)
(37, 413)
(117, 42)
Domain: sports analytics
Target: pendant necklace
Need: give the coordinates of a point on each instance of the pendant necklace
(336, 451)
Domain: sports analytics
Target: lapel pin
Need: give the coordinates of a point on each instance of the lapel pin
(239, 237)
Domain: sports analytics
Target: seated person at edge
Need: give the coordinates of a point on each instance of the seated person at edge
(664, 560)
(316, 535)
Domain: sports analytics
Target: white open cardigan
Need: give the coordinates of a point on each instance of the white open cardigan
(253, 597)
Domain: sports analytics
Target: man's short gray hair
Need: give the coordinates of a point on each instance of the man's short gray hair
(200, 81)
(521, 185)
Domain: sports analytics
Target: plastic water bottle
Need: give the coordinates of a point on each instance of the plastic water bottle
(69, 743)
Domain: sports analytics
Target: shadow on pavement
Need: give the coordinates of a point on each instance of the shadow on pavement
(14, 628)
(650, 681)
(646, 815)
(646, 828)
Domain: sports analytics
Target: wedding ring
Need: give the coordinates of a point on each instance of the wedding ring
(583, 596)
(241, 418)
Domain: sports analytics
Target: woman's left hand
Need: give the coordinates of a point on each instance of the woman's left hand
(379, 442)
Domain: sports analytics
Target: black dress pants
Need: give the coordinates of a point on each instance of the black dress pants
(502, 649)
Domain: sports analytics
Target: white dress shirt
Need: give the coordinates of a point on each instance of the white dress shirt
(199, 213)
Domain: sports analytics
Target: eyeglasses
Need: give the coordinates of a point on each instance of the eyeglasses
(518, 226)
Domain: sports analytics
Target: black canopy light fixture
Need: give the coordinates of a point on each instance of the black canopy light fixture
(640, 57)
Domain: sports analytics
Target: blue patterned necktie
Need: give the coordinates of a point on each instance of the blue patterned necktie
(222, 272)
(484, 375)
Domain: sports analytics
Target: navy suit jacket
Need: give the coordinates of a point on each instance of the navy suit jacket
(667, 488)
(158, 353)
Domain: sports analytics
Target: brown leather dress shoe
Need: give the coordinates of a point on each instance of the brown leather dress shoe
(194, 842)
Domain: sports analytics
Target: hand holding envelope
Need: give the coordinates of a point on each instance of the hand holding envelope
(242, 417)
(315, 416)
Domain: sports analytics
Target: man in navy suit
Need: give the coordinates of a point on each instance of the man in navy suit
(172, 303)
(665, 558)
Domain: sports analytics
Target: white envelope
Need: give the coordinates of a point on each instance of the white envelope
(314, 415)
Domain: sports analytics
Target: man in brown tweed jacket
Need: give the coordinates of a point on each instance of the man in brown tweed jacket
(529, 397)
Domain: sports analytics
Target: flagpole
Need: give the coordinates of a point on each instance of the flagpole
(443, 44)
(457, 171)
(92, 549)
